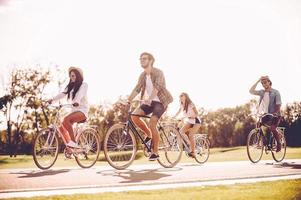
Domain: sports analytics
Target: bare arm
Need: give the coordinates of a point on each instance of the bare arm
(195, 112)
(175, 116)
(252, 89)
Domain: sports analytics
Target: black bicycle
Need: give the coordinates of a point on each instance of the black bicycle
(261, 138)
(120, 144)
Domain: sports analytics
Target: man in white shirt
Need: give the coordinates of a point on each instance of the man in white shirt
(270, 102)
(156, 98)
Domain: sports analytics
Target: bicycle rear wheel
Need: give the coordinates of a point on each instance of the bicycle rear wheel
(45, 148)
(120, 147)
(255, 145)
(279, 156)
(170, 146)
(88, 154)
(202, 149)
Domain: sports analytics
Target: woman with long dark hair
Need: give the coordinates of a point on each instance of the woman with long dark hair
(191, 121)
(76, 92)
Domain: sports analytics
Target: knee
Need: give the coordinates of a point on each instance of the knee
(135, 119)
(153, 123)
(66, 121)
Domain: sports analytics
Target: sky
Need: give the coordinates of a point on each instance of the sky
(213, 50)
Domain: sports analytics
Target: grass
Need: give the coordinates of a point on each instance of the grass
(277, 190)
(216, 155)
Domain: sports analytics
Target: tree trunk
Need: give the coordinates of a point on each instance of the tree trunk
(9, 146)
(45, 115)
(36, 119)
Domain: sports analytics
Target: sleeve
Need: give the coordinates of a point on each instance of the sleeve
(60, 95)
(138, 87)
(278, 98)
(81, 93)
(159, 82)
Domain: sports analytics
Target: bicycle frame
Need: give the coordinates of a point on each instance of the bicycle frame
(130, 125)
(55, 128)
(267, 133)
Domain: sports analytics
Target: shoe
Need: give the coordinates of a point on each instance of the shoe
(153, 157)
(73, 144)
(191, 154)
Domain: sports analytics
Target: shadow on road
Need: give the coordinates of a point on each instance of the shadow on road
(291, 165)
(32, 174)
(134, 176)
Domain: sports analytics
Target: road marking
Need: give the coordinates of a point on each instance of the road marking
(102, 189)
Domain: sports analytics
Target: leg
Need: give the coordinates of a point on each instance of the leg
(185, 128)
(273, 129)
(153, 127)
(69, 120)
(63, 132)
(193, 131)
(140, 123)
(157, 110)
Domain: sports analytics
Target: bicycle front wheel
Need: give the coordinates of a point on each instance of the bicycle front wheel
(279, 156)
(255, 145)
(120, 146)
(170, 146)
(201, 149)
(88, 154)
(45, 148)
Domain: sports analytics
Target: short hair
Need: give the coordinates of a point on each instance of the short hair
(269, 81)
(150, 56)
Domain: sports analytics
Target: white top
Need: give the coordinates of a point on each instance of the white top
(80, 98)
(264, 104)
(149, 88)
(189, 114)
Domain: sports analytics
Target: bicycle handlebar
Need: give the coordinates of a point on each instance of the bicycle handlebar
(61, 106)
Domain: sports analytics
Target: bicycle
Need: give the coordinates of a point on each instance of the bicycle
(46, 144)
(120, 143)
(261, 138)
(202, 145)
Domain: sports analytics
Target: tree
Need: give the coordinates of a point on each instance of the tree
(25, 92)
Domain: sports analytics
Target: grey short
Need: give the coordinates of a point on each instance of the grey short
(156, 108)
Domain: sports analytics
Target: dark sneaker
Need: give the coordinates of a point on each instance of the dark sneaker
(191, 154)
(153, 157)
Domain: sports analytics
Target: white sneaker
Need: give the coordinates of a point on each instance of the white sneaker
(73, 144)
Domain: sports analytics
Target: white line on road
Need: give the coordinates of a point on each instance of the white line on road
(101, 189)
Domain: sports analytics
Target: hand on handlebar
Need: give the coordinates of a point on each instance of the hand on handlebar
(75, 104)
(49, 101)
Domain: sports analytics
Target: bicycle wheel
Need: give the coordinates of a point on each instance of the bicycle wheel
(279, 156)
(45, 148)
(201, 149)
(255, 145)
(88, 154)
(120, 147)
(170, 147)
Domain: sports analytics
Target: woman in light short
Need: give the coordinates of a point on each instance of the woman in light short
(190, 120)
(76, 92)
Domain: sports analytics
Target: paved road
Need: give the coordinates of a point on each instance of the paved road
(13, 181)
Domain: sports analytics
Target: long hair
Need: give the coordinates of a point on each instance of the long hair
(74, 85)
(187, 101)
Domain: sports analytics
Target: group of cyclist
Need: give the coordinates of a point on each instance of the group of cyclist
(156, 98)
